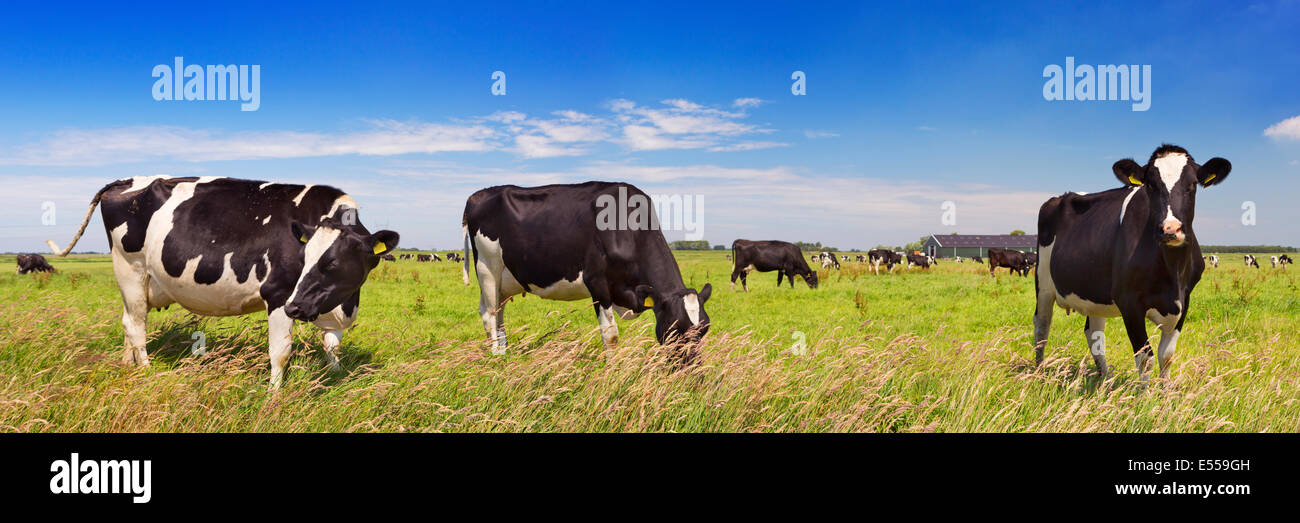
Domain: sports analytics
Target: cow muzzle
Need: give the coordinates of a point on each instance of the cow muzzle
(1172, 233)
(296, 313)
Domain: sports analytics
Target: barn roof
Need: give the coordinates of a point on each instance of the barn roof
(986, 240)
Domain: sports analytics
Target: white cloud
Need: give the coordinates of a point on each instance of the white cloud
(747, 102)
(684, 125)
(150, 143)
(1288, 129)
(747, 146)
(813, 134)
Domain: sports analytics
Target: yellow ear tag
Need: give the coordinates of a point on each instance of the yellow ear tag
(649, 302)
(1208, 179)
(1133, 180)
(380, 247)
(303, 238)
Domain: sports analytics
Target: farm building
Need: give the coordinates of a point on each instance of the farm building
(967, 245)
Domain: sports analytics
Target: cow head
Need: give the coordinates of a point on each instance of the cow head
(679, 315)
(1169, 180)
(337, 258)
(811, 279)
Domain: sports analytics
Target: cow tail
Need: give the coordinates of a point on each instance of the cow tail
(54, 247)
(464, 269)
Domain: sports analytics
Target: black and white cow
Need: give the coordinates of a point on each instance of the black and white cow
(404, 257)
(1129, 252)
(918, 260)
(559, 242)
(388, 257)
(1213, 259)
(1251, 261)
(783, 257)
(828, 260)
(977, 259)
(226, 247)
(423, 258)
(1284, 260)
(33, 263)
(885, 256)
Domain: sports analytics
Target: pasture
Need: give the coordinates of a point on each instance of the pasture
(948, 349)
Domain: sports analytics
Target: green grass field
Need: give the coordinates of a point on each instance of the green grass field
(941, 350)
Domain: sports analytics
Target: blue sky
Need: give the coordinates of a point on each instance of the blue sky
(907, 106)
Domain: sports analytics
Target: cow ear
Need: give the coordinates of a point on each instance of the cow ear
(1128, 172)
(645, 296)
(301, 232)
(383, 242)
(1213, 172)
(705, 292)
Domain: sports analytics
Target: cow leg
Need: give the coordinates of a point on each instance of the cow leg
(1135, 324)
(744, 280)
(280, 330)
(1094, 329)
(331, 339)
(779, 274)
(608, 328)
(1042, 324)
(735, 271)
(134, 285)
(489, 308)
(1168, 343)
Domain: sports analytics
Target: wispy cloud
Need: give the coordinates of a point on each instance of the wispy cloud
(1288, 129)
(815, 134)
(675, 124)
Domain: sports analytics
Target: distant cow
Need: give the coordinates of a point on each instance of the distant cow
(557, 242)
(226, 247)
(1251, 261)
(33, 263)
(885, 256)
(1011, 259)
(763, 256)
(1129, 252)
(829, 260)
(388, 257)
(918, 260)
(1213, 259)
(1284, 260)
(423, 258)
(405, 256)
(977, 259)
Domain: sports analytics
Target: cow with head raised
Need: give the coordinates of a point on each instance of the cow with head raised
(1129, 252)
(225, 247)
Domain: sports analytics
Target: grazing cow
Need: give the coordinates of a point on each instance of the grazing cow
(1011, 259)
(1284, 260)
(959, 259)
(454, 256)
(226, 247)
(763, 256)
(33, 263)
(1129, 252)
(977, 259)
(885, 256)
(423, 258)
(829, 260)
(1213, 259)
(1251, 261)
(562, 242)
(918, 260)
(405, 257)
(860, 258)
(388, 257)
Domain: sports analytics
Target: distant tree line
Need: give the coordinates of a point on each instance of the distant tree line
(690, 245)
(1246, 248)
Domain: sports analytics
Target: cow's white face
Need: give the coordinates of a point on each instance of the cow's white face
(337, 259)
(680, 316)
(1170, 180)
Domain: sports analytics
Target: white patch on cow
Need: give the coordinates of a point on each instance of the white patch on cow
(265, 185)
(1080, 193)
(626, 314)
(1166, 320)
(336, 319)
(692, 303)
(267, 220)
(140, 182)
(1124, 207)
(341, 202)
(297, 200)
(1171, 168)
(565, 290)
(319, 243)
(749, 268)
